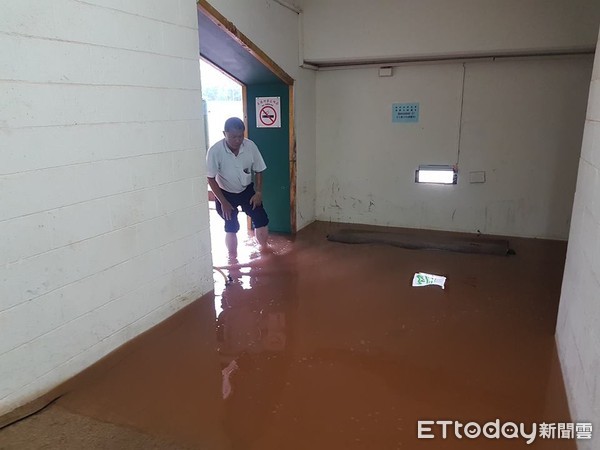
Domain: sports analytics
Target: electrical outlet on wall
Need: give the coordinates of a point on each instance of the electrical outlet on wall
(477, 177)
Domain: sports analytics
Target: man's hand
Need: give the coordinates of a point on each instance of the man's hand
(256, 200)
(227, 209)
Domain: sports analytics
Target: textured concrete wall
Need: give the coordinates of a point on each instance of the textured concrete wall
(511, 122)
(104, 217)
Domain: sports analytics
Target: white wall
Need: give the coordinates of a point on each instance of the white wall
(102, 183)
(522, 124)
(577, 332)
(274, 29)
(344, 30)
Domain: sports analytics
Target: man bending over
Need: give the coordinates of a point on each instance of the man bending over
(230, 164)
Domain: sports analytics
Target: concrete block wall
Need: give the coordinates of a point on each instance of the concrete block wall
(578, 332)
(104, 213)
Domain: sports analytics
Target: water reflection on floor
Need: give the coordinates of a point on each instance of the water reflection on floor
(333, 348)
(327, 346)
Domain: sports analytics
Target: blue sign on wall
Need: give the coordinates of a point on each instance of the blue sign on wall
(405, 112)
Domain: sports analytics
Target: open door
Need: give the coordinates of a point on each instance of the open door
(274, 146)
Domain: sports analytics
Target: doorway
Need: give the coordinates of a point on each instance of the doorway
(222, 97)
(229, 50)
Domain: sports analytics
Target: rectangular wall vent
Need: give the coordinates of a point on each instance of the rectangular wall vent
(436, 174)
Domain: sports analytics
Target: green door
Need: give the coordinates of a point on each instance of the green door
(274, 145)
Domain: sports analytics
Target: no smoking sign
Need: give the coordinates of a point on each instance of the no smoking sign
(268, 112)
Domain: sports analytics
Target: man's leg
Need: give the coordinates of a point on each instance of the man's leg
(232, 226)
(259, 217)
(261, 235)
(231, 244)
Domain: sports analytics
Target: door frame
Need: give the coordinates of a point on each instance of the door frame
(228, 27)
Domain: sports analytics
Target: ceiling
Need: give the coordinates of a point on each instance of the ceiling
(225, 52)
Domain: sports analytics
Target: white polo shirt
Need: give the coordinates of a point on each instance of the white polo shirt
(234, 173)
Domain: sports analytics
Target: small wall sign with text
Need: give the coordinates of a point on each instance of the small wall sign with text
(405, 112)
(268, 112)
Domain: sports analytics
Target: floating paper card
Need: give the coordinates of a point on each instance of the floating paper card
(427, 279)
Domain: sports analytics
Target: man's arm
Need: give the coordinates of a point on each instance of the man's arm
(256, 199)
(225, 205)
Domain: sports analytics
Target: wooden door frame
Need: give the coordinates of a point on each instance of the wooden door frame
(228, 27)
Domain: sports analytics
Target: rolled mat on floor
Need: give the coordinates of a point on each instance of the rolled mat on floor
(454, 244)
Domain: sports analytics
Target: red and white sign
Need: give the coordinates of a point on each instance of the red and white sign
(268, 112)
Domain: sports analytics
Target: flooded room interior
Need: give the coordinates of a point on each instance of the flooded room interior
(300, 224)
